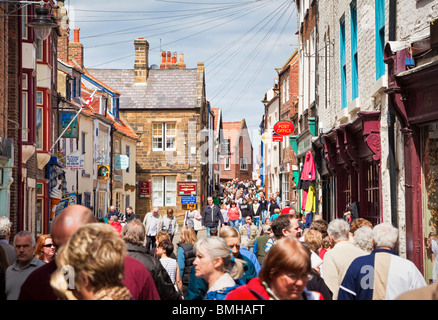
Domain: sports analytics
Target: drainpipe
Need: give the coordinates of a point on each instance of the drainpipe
(113, 128)
(391, 122)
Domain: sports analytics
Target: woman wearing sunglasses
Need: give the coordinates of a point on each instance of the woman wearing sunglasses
(45, 249)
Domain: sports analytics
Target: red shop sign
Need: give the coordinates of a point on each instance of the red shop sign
(284, 128)
(187, 188)
(277, 138)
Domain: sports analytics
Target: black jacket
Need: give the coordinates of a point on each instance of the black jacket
(165, 287)
(246, 210)
(212, 216)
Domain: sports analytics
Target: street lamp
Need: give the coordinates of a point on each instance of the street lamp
(42, 24)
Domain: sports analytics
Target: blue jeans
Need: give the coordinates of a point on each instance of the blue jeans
(234, 223)
(256, 221)
(264, 216)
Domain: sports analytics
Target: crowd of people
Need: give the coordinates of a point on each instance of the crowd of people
(255, 248)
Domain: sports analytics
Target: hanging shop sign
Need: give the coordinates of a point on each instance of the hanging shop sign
(68, 125)
(284, 128)
(122, 162)
(103, 172)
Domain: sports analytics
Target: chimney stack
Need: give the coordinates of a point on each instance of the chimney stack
(141, 65)
(76, 49)
(60, 13)
(182, 64)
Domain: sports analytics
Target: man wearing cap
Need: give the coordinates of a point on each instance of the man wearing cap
(260, 242)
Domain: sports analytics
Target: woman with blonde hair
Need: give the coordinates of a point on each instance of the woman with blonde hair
(93, 262)
(186, 254)
(44, 248)
(217, 266)
(233, 240)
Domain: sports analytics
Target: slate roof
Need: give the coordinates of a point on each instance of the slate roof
(164, 89)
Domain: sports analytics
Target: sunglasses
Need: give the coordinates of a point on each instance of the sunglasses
(49, 245)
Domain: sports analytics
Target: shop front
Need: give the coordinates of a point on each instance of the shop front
(352, 153)
(413, 97)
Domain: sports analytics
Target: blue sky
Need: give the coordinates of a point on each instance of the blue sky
(240, 42)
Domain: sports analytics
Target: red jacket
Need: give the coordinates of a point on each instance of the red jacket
(308, 172)
(255, 290)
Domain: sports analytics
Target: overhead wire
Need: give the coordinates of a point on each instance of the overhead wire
(248, 61)
(183, 38)
(257, 71)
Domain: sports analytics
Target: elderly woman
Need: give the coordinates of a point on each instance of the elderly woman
(284, 275)
(93, 262)
(217, 266)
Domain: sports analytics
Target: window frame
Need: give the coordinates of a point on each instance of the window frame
(354, 52)
(343, 62)
(160, 194)
(162, 138)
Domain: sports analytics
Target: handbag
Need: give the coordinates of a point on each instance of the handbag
(197, 224)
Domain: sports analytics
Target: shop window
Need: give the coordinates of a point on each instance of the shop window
(370, 202)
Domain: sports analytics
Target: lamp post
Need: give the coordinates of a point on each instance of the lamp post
(42, 24)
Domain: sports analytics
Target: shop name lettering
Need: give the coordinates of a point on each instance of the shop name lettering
(220, 309)
(283, 128)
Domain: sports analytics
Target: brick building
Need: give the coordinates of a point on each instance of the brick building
(166, 107)
(237, 160)
(288, 95)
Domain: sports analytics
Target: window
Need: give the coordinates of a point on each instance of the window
(343, 65)
(119, 202)
(83, 142)
(164, 191)
(87, 199)
(127, 200)
(380, 37)
(285, 186)
(39, 98)
(227, 163)
(24, 117)
(354, 55)
(39, 128)
(127, 153)
(24, 33)
(243, 164)
(371, 192)
(39, 50)
(163, 136)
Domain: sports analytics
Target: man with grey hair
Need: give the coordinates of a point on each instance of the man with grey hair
(338, 259)
(5, 233)
(25, 264)
(211, 216)
(381, 275)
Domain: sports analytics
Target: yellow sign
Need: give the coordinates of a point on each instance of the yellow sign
(103, 172)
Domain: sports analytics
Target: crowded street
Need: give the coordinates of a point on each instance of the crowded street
(209, 158)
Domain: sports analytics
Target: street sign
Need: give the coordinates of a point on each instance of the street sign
(188, 200)
(284, 128)
(187, 188)
(277, 138)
